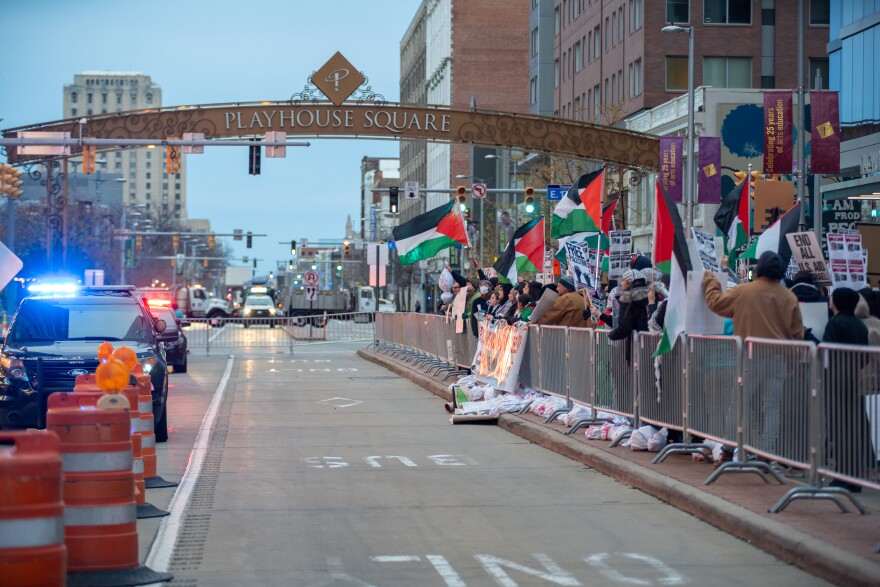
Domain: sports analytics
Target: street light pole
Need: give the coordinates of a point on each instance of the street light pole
(690, 183)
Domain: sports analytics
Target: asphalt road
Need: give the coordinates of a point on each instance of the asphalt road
(323, 469)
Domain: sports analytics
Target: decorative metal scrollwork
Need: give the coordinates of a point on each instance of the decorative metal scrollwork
(309, 93)
(365, 92)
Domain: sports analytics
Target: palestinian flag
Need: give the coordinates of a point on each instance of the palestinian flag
(671, 256)
(732, 219)
(595, 240)
(427, 234)
(580, 211)
(773, 239)
(524, 253)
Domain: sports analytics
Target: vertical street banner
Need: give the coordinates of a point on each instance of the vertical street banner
(709, 185)
(671, 173)
(778, 152)
(825, 134)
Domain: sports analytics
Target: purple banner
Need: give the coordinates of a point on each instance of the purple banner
(670, 173)
(825, 134)
(709, 184)
(778, 151)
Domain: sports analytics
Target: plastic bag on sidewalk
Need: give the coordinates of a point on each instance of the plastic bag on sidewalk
(618, 431)
(657, 441)
(576, 413)
(598, 432)
(640, 436)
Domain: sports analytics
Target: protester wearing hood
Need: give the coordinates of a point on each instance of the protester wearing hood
(534, 289)
(480, 305)
(640, 262)
(633, 313)
(805, 290)
(658, 296)
(568, 310)
(863, 313)
(763, 308)
(506, 302)
(844, 327)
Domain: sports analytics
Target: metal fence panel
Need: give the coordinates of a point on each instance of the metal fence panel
(777, 387)
(713, 386)
(613, 374)
(530, 370)
(848, 438)
(554, 357)
(580, 365)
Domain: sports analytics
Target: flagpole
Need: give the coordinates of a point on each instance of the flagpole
(801, 142)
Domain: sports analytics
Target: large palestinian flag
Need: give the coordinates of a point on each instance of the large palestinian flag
(427, 234)
(773, 239)
(579, 214)
(671, 256)
(524, 253)
(732, 219)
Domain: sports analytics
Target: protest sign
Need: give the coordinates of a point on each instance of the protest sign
(806, 252)
(706, 248)
(459, 305)
(499, 355)
(620, 252)
(848, 266)
(548, 298)
(578, 264)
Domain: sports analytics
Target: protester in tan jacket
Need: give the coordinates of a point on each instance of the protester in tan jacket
(763, 308)
(568, 310)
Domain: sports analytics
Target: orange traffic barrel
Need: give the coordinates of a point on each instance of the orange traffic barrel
(148, 436)
(100, 516)
(86, 382)
(32, 551)
(137, 438)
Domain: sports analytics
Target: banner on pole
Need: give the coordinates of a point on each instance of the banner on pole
(825, 134)
(578, 264)
(778, 152)
(709, 185)
(671, 173)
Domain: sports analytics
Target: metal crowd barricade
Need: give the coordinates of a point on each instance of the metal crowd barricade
(614, 390)
(581, 375)
(530, 369)
(844, 416)
(554, 358)
(659, 383)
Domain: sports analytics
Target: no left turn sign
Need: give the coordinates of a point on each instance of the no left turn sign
(478, 190)
(311, 278)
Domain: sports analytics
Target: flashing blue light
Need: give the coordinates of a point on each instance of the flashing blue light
(52, 290)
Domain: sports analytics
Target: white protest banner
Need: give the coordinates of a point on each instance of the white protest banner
(836, 247)
(807, 253)
(620, 251)
(458, 309)
(578, 264)
(706, 247)
(499, 355)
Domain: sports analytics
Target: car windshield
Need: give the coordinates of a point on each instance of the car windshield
(259, 301)
(57, 320)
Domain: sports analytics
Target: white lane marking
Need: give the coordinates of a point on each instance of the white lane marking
(552, 572)
(401, 558)
(322, 462)
(374, 461)
(452, 460)
(159, 557)
(445, 570)
(340, 402)
(671, 576)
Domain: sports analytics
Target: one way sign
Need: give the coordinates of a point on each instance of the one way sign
(411, 190)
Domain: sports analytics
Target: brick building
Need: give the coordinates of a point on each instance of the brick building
(612, 60)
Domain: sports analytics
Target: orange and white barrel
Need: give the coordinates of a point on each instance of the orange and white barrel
(137, 438)
(32, 551)
(100, 518)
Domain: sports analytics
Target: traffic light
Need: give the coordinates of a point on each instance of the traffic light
(392, 199)
(89, 153)
(175, 242)
(346, 248)
(172, 160)
(138, 242)
(255, 262)
(254, 160)
(293, 248)
(530, 199)
(249, 240)
(212, 241)
(290, 266)
(462, 203)
(10, 180)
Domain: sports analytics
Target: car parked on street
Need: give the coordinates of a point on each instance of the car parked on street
(54, 337)
(173, 339)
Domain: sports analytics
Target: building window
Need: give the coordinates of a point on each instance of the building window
(820, 67)
(556, 22)
(177, 186)
(556, 73)
(614, 28)
(607, 32)
(820, 12)
(148, 185)
(597, 103)
(89, 112)
(614, 88)
(727, 11)
(134, 98)
(73, 97)
(607, 92)
(635, 15)
(677, 74)
(578, 57)
(73, 111)
(103, 98)
(119, 98)
(564, 65)
(149, 175)
(727, 72)
(533, 91)
(149, 98)
(148, 197)
(637, 77)
(534, 41)
(589, 44)
(89, 98)
(678, 11)
(597, 42)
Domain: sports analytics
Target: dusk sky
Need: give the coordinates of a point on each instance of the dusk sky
(203, 52)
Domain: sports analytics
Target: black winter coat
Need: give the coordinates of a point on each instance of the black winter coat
(633, 314)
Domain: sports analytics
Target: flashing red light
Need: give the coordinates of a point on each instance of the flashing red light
(158, 302)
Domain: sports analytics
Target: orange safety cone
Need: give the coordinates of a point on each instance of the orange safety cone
(32, 551)
(100, 518)
(152, 480)
(144, 509)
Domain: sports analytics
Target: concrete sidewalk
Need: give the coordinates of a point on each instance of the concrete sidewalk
(811, 534)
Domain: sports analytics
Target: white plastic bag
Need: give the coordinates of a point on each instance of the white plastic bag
(657, 441)
(445, 281)
(640, 436)
(598, 432)
(618, 431)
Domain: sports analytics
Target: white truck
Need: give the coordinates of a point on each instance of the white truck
(295, 303)
(194, 302)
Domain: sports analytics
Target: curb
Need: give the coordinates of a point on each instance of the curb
(819, 558)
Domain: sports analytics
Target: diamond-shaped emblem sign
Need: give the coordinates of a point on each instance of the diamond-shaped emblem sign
(340, 402)
(338, 79)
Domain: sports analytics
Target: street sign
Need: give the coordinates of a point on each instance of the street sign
(236, 234)
(311, 292)
(411, 190)
(478, 190)
(555, 192)
(310, 277)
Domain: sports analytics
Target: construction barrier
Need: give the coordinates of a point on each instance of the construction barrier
(32, 551)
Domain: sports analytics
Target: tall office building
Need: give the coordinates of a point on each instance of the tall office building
(610, 58)
(94, 93)
(413, 90)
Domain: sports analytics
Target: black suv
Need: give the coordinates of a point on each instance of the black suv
(52, 339)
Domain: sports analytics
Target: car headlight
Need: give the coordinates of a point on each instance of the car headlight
(247, 311)
(14, 367)
(271, 311)
(147, 363)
